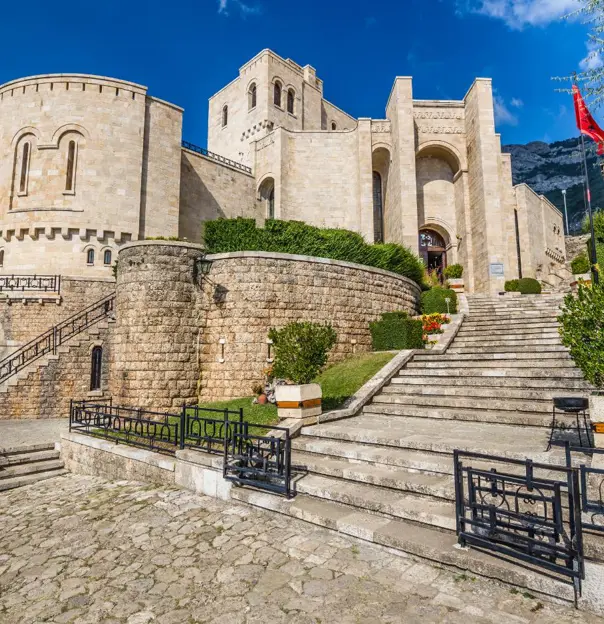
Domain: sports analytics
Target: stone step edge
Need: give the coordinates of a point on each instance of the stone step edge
(421, 542)
(15, 482)
(30, 468)
(27, 448)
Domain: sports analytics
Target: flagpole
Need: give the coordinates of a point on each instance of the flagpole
(593, 253)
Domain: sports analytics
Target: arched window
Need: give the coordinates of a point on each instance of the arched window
(267, 196)
(71, 166)
(96, 368)
(225, 115)
(277, 94)
(334, 125)
(1, 257)
(291, 96)
(270, 204)
(90, 256)
(378, 209)
(107, 257)
(24, 168)
(251, 96)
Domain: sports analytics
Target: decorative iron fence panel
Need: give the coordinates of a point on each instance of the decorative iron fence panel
(49, 341)
(221, 159)
(22, 283)
(208, 434)
(262, 461)
(521, 509)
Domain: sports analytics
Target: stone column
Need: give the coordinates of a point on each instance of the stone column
(159, 317)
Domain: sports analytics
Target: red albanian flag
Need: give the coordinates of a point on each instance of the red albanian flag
(585, 122)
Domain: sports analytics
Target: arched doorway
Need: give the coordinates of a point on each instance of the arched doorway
(433, 250)
(267, 197)
(378, 209)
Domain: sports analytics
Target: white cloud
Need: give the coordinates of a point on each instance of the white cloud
(516, 103)
(503, 115)
(517, 14)
(244, 9)
(593, 60)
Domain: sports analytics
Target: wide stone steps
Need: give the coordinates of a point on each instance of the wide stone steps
(478, 349)
(28, 464)
(517, 332)
(487, 355)
(520, 342)
(560, 384)
(535, 365)
(500, 371)
(415, 539)
(441, 436)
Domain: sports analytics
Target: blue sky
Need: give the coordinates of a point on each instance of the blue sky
(186, 50)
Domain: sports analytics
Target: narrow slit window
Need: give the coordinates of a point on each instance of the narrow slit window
(334, 125)
(252, 97)
(24, 168)
(225, 116)
(1, 257)
(107, 257)
(90, 256)
(96, 368)
(70, 176)
(290, 101)
(277, 94)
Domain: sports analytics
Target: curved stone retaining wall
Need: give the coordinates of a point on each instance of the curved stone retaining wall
(181, 334)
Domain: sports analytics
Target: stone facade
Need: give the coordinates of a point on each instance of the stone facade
(88, 164)
(181, 335)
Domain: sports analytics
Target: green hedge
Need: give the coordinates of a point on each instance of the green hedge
(433, 300)
(295, 237)
(580, 265)
(453, 271)
(396, 331)
(526, 286)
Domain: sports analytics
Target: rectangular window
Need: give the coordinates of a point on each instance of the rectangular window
(70, 176)
(24, 168)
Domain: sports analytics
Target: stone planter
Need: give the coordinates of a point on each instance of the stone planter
(583, 277)
(457, 285)
(302, 401)
(596, 416)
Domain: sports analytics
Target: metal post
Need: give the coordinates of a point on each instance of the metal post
(183, 418)
(593, 253)
(565, 212)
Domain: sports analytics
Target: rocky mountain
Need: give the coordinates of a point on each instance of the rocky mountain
(550, 167)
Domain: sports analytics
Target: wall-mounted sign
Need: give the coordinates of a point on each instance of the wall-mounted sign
(496, 269)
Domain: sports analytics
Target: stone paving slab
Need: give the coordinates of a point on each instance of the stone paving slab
(84, 550)
(15, 433)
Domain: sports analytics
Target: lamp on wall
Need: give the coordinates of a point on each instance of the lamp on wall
(269, 357)
(202, 266)
(221, 342)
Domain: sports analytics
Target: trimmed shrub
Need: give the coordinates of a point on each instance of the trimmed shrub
(396, 332)
(582, 331)
(511, 285)
(389, 316)
(295, 237)
(453, 271)
(301, 350)
(580, 265)
(529, 286)
(433, 300)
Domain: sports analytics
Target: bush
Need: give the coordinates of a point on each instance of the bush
(598, 226)
(511, 285)
(580, 265)
(433, 300)
(453, 271)
(301, 350)
(582, 331)
(295, 237)
(396, 332)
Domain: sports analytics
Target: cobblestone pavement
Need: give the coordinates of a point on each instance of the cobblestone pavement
(20, 432)
(84, 550)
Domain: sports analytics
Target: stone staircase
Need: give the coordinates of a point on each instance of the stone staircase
(386, 475)
(23, 465)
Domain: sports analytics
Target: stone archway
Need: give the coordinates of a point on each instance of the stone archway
(266, 194)
(380, 163)
(433, 250)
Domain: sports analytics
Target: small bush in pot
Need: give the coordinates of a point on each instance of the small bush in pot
(301, 350)
(580, 265)
(434, 300)
(453, 271)
(529, 286)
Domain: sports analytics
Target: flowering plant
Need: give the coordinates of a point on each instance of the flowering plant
(432, 323)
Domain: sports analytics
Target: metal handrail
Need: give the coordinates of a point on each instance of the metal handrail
(50, 340)
(22, 283)
(217, 157)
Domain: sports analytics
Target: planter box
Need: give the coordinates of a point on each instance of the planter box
(298, 401)
(596, 415)
(456, 284)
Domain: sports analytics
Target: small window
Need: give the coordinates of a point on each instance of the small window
(277, 94)
(70, 175)
(96, 368)
(252, 96)
(107, 257)
(1, 257)
(271, 204)
(334, 125)
(290, 101)
(225, 115)
(90, 256)
(24, 168)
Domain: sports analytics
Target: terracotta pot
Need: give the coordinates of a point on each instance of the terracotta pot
(262, 399)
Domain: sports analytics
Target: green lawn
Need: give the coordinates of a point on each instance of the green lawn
(339, 382)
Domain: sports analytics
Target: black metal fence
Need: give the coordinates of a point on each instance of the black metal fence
(49, 341)
(23, 283)
(257, 455)
(522, 510)
(221, 159)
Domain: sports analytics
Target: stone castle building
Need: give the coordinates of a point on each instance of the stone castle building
(88, 164)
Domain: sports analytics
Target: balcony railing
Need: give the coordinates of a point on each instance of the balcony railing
(216, 157)
(25, 283)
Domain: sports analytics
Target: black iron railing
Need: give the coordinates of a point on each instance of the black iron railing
(591, 482)
(49, 341)
(256, 455)
(520, 509)
(216, 157)
(37, 283)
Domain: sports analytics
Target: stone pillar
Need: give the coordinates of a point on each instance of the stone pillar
(365, 207)
(159, 317)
